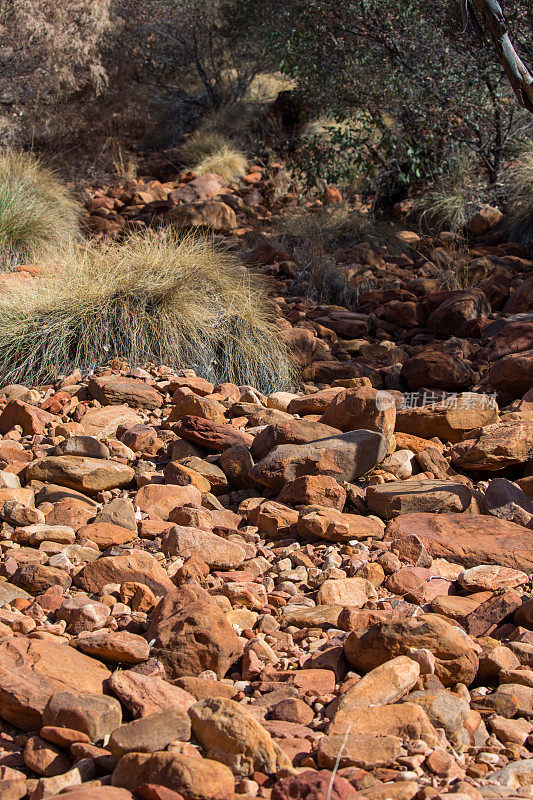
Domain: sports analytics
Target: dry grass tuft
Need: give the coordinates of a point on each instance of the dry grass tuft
(335, 229)
(161, 299)
(209, 152)
(229, 163)
(452, 201)
(37, 213)
(520, 194)
(321, 239)
(266, 86)
(445, 208)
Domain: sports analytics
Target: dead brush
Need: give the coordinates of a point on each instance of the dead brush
(162, 299)
(336, 229)
(37, 214)
(321, 240)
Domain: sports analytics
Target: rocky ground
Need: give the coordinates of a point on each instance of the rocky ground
(318, 595)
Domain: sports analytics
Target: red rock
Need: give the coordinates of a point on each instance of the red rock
(43, 758)
(31, 670)
(192, 634)
(114, 647)
(116, 389)
(72, 512)
(63, 737)
(142, 439)
(31, 419)
(521, 299)
(212, 214)
(432, 369)
(211, 435)
(81, 473)
(290, 431)
(484, 220)
(195, 778)
(94, 715)
(273, 519)
(318, 681)
(332, 195)
(448, 421)
(334, 526)
(460, 308)
(310, 490)
(512, 373)
(198, 189)
(468, 539)
(484, 619)
(455, 658)
(106, 535)
(496, 447)
(160, 499)
(92, 792)
(136, 566)
(145, 695)
(154, 791)
(105, 421)
(315, 403)
(313, 785)
(353, 409)
(343, 457)
(151, 733)
(215, 550)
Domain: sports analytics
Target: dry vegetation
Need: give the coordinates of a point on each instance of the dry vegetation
(209, 152)
(161, 299)
(520, 193)
(322, 238)
(338, 228)
(37, 213)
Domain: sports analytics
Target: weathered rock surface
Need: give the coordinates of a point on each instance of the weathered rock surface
(192, 634)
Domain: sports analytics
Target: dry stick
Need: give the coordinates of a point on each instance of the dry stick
(518, 74)
(338, 761)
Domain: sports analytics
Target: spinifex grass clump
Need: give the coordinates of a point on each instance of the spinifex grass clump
(207, 152)
(37, 213)
(323, 241)
(160, 299)
(338, 228)
(520, 194)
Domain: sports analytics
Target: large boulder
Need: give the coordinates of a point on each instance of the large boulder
(344, 457)
(230, 734)
(31, 670)
(496, 447)
(468, 539)
(84, 474)
(455, 655)
(193, 777)
(137, 566)
(450, 421)
(404, 497)
(357, 409)
(191, 634)
(116, 389)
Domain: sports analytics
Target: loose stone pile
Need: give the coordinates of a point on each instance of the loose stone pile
(318, 595)
(205, 591)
